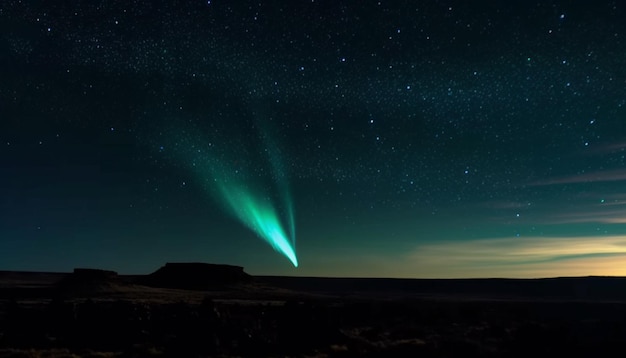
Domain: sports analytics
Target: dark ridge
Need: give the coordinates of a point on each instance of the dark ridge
(85, 274)
(578, 288)
(196, 276)
(85, 281)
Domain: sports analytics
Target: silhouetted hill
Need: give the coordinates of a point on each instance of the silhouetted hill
(234, 281)
(85, 281)
(196, 276)
(577, 288)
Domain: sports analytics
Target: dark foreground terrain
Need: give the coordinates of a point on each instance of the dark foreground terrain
(100, 314)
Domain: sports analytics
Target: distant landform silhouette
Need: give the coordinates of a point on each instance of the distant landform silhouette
(195, 276)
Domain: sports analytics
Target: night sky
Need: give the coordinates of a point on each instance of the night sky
(377, 138)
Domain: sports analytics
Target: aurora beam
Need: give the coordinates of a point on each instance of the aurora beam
(235, 185)
(259, 216)
(282, 184)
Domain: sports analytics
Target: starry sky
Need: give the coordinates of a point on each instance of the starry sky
(401, 138)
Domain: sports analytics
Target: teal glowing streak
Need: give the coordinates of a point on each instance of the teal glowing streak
(282, 184)
(235, 183)
(259, 216)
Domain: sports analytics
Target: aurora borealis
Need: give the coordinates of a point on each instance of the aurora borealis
(395, 139)
(237, 190)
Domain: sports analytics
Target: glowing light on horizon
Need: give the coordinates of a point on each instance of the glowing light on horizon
(530, 257)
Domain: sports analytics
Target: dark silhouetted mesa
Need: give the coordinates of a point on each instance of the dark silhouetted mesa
(196, 276)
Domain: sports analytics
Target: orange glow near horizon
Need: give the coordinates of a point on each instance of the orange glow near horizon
(530, 257)
(522, 257)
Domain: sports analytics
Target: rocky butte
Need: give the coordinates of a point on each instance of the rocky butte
(196, 276)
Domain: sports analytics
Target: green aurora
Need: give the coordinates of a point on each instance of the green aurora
(237, 191)
(259, 216)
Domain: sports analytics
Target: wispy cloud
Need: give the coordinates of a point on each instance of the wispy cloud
(598, 176)
(579, 207)
(521, 257)
(616, 216)
(607, 148)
